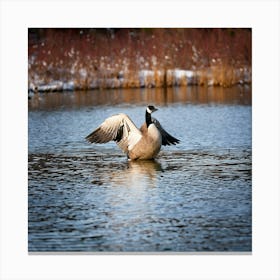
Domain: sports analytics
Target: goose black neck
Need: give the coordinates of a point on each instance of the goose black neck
(148, 118)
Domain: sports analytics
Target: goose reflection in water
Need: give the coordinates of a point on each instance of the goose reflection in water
(126, 198)
(137, 174)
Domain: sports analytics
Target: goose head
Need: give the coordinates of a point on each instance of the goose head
(150, 109)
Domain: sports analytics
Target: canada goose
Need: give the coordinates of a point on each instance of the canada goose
(137, 144)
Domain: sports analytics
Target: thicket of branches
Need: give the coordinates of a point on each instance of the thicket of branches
(59, 54)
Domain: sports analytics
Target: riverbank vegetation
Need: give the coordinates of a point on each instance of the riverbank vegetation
(80, 59)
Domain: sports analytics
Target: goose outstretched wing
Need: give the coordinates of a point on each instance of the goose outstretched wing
(118, 128)
(167, 139)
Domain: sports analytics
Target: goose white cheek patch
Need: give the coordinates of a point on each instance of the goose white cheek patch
(149, 111)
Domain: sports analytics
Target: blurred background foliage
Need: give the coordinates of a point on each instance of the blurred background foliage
(88, 58)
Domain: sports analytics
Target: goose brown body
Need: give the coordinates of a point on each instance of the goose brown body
(137, 144)
(148, 146)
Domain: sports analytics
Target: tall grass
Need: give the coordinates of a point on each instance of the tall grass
(112, 58)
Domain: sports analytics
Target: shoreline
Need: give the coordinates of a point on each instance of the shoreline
(216, 77)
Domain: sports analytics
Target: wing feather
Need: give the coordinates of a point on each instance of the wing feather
(167, 139)
(118, 128)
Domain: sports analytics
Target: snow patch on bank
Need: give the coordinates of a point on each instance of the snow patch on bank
(144, 78)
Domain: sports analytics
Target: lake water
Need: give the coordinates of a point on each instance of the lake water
(195, 197)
